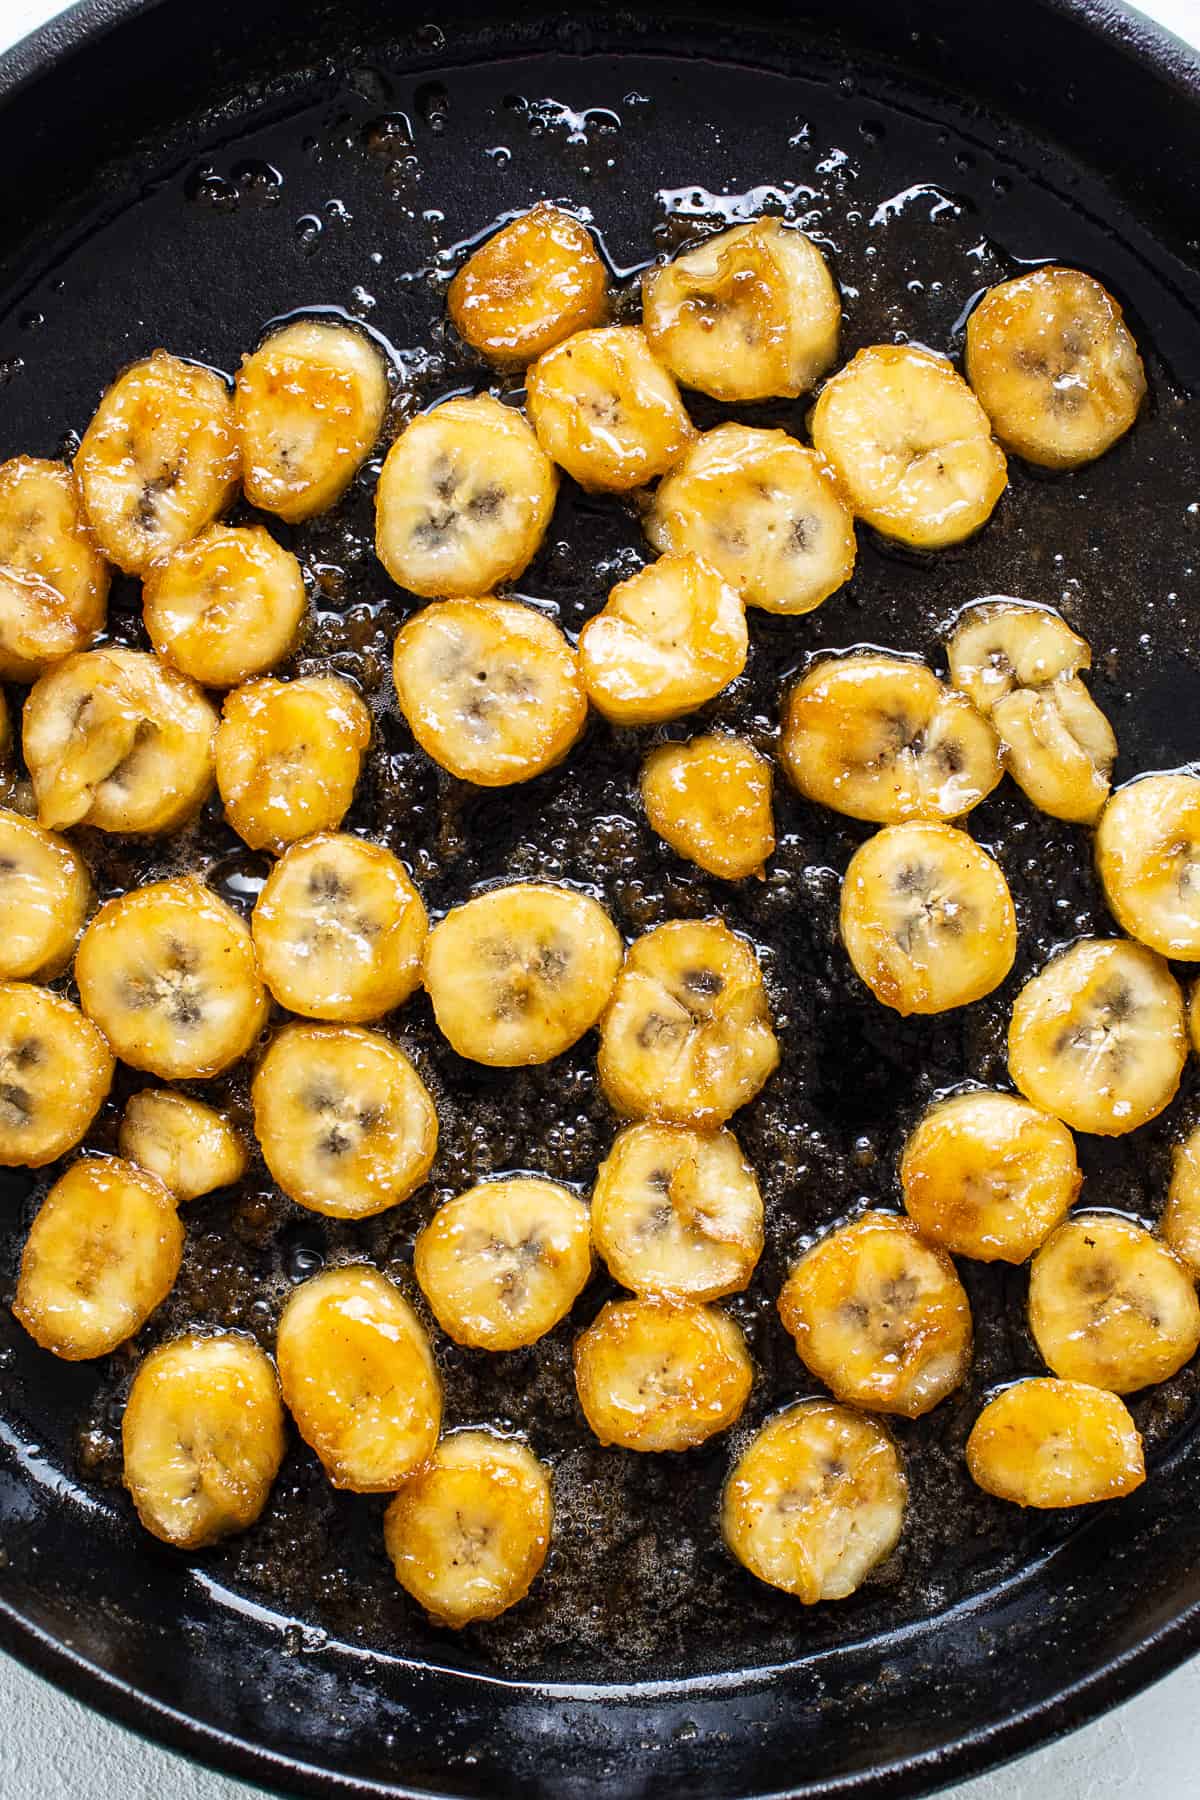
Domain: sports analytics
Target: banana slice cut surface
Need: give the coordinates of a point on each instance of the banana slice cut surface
(288, 756)
(606, 410)
(191, 1147)
(1180, 1224)
(45, 896)
(532, 284)
(1000, 645)
(1051, 1443)
(226, 606)
(55, 1070)
(654, 1375)
(1148, 858)
(665, 641)
(53, 579)
(710, 799)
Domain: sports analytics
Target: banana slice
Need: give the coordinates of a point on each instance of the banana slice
(464, 499)
(491, 689)
(55, 1069)
(880, 1316)
(532, 284)
(468, 1533)
(53, 579)
(168, 973)
(345, 1124)
(226, 606)
(665, 641)
(203, 1439)
(748, 315)
(688, 1037)
(883, 739)
(519, 973)
(1097, 1037)
(988, 1175)
(1111, 1305)
(815, 1501)
(911, 446)
(606, 411)
(339, 929)
(927, 918)
(1050, 1443)
(710, 799)
(652, 1375)
(308, 406)
(1148, 859)
(1180, 1223)
(999, 646)
(359, 1378)
(191, 1147)
(103, 1251)
(677, 1214)
(115, 739)
(288, 756)
(45, 896)
(159, 460)
(502, 1264)
(1055, 365)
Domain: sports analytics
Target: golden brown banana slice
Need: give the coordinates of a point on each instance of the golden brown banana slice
(45, 896)
(103, 1251)
(532, 284)
(226, 606)
(53, 579)
(345, 1123)
(1111, 1305)
(491, 689)
(55, 1069)
(883, 739)
(665, 641)
(519, 973)
(607, 411)
(1055, 365)
(288, 756)
(911, 446)
(999, 646)
(655, 1375)
(191, 1147)
(464, 499)
(1180, 1224)
(168, 973)
(688, 1036)
(1148, 859)
(677, 1214)
(115, 739)
(927, 918)
(503, 1263)
(159, 460)
(880, 1316)
(1051, 1443)
(308, 406)
(815, 1501)
(203, 1438)
(359, 1378)
(469, 1531)
(1098, 1038)
(710, 799)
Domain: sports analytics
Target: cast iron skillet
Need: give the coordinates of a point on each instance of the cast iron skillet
(178, 175)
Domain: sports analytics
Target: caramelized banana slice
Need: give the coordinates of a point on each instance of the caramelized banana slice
(666, 640)
(1180, 1224)
(225, 606)
(103, 1251)
(1055, 365)
(345, 1124)
(359, 1378)
(1050, 1443)
(45, 895)
(491, 689)
(880, 1316)
(168, 973)
(309, 406)
(203, 1439)
(677, 1214)
(1098, 1037)
(688, 1037)
(469, 1531)
(191, 1147)
(53, 579)
(115, 739)
(532, 284)
(1111, 1305)
(911, 446)
(999, 646)
(652, 1375)
(1148, 859)
(288, 756)
(55, 1069)
(519, 973)
(710, 799)
(464, 499)
(159, 460)
(606, 411)
(883, 739)
(815, 1501)
(502, 1264)
(927, 918)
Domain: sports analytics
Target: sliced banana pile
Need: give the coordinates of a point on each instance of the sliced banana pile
(665, 641)
(226, 606)
(532, 284)
(1180, 1223)
(710, 799)
(190, 1146)
(45, 896)
(1051, 1443)
(606, 411)
(55, 1070)
(1148, 858)
(53, 579)
(288, 755)
(655, 1375)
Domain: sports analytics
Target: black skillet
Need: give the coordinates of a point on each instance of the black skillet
(181, 175)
